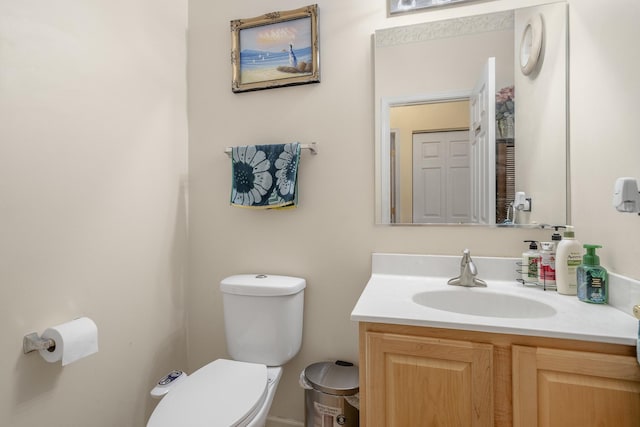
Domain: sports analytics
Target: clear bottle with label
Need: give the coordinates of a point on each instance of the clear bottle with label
(593, 279)
(547, 270)
(568, 258)
(530, 263)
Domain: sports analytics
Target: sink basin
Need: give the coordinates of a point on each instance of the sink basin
(481, 302)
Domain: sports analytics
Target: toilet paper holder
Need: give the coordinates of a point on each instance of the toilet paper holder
(32, 342)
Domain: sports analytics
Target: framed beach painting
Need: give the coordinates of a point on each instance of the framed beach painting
(276, 49)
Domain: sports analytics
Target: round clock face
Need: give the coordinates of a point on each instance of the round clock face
(531, 45)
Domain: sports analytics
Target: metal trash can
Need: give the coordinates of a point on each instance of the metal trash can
(331, 394)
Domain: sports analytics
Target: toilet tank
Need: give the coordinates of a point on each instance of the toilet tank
(263, 317)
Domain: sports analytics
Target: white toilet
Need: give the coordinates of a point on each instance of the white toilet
(263, 326)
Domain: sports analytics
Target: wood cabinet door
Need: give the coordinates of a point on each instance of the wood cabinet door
(561, 388)
(417, 381)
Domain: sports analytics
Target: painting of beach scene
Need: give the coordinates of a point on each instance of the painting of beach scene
(277, 49)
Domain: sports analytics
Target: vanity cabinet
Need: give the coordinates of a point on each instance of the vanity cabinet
(419, 376)
(438, 382)
(574, 388)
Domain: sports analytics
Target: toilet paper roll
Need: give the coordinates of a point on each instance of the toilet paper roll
(74, 340)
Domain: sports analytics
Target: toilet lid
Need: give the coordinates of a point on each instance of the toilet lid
(222, 393)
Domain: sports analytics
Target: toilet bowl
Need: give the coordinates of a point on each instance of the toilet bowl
(223, 393)
(263, 329)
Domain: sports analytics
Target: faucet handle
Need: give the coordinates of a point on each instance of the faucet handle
(472, 268)
(468, 263)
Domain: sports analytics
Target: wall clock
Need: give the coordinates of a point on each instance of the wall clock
(531, 44)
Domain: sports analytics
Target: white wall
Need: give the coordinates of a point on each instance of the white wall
(541, 129)
(93, 147)
(429, 67)
(604, 113)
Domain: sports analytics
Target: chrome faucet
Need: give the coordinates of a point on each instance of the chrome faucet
(468, 272)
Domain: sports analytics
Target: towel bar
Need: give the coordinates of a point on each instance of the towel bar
(313, 147)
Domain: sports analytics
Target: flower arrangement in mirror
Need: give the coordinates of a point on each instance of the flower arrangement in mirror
(505, 110)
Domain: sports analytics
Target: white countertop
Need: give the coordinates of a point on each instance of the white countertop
(387, 298)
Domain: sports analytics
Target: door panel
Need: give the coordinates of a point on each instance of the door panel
(483, 146)
(438, 382)
(602, 389)
(441, 177)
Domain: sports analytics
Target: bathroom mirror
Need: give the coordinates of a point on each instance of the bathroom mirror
(462, 135)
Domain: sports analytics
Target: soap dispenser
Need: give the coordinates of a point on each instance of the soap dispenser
(547, 270)
(592, 278)
(530, 263)
(568, 259)
(556, 238)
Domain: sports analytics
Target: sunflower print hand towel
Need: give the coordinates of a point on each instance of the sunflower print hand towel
(265, 176)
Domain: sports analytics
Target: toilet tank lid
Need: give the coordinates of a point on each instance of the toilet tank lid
(262, 285)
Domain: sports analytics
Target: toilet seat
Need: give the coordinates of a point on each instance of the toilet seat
(223, 393)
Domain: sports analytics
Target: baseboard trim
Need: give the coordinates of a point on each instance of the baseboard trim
(283, 422)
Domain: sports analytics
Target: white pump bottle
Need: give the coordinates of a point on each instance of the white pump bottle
(568, 258)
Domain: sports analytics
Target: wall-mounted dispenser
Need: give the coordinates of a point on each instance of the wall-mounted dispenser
(522, 202)
(626, 197)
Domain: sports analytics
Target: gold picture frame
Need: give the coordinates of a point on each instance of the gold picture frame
(276, 49)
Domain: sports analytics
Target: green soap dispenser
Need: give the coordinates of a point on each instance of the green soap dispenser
(593, 279)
